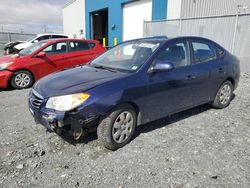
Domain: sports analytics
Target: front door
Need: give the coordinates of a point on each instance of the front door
(171, 91)
(53, 61)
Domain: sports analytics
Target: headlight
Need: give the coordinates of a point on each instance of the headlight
(5, 65)
(66, 102)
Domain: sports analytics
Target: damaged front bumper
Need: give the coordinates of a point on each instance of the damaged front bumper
(76, 123)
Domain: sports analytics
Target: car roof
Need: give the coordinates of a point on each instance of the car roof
(68, 39)
(45, 34)
(163, 39)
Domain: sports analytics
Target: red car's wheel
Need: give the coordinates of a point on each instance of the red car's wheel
(22, 80)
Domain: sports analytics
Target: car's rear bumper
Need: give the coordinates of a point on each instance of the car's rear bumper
(4, 78)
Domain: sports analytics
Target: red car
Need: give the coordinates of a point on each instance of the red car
(23, 69)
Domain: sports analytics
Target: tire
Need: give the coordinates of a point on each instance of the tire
(117, 129)
(22, 79)
(223, 96)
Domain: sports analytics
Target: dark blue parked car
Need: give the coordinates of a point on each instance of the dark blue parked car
(134, 83)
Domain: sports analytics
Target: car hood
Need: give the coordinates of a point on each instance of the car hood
(8, 58)
(75, 80)
(23, 45)
(13, 42)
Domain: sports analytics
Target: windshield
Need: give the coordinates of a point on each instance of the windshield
(127, 57)
(31, 38)
(31, 49)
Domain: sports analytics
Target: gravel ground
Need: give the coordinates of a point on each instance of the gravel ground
(201, 147)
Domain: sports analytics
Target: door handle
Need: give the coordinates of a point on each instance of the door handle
(221, 70)
(190, 77)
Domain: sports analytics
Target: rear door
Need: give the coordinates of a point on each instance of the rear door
(80, 52)
(209, 71)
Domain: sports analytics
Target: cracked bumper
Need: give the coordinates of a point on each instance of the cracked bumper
(69, 121)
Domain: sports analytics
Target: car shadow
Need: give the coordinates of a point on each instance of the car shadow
(148, 127)
(9, 89)
(83, 140)
(145, 128)
(163, 122)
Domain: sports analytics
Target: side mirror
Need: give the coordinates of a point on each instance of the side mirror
(161, 66)
(35, 41)
(41, 54)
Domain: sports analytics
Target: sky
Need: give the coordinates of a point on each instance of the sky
(31, 16)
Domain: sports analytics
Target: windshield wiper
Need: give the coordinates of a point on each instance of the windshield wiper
(105, 68)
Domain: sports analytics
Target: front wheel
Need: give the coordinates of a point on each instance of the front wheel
(117, 129)
(22, 80)
(223, 96)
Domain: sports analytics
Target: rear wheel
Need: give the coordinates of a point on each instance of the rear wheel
(117, 129)
(22, 80)
(224, 95)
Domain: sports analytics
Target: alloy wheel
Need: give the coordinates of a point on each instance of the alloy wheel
(225, 94)
(22, 80)
(122, 127)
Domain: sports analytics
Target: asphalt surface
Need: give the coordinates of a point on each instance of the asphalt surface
(201, 147)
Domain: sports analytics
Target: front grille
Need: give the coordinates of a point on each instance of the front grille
(36, 99)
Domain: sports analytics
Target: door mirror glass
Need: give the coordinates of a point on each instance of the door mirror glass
(41, 54)
(161, 66)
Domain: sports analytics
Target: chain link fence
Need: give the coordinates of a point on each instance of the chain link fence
(6, 37)
(231, 31)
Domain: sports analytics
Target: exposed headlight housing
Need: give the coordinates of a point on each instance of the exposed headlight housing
(5, 65)
(66, 102)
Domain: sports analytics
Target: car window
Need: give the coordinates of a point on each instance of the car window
(219, 51)
(58, 36)
(45, 37)
(31, 49)
(203, 51)
(57, 48)
(78, 46)
(176, 53)
(92, 44)
(127, 57)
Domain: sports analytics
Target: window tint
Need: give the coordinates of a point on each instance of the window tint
(219, 51)
(58, 36)
(78, 46)
(92, 45)
(175, 53)
(45, 37)
(56, 48)
(203, 51)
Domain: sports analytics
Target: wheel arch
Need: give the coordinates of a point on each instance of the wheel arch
(134, 106)
(9, 84)
(231, 80)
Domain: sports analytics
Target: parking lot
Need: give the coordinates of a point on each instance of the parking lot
(201, 147)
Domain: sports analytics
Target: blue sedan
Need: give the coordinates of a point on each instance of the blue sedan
(134, 83)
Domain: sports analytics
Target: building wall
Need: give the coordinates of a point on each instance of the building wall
(115, 17)
(159, 9)
(77, 16)
(115, 9)
(174, 9)
(198, 8)
(74, 18)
